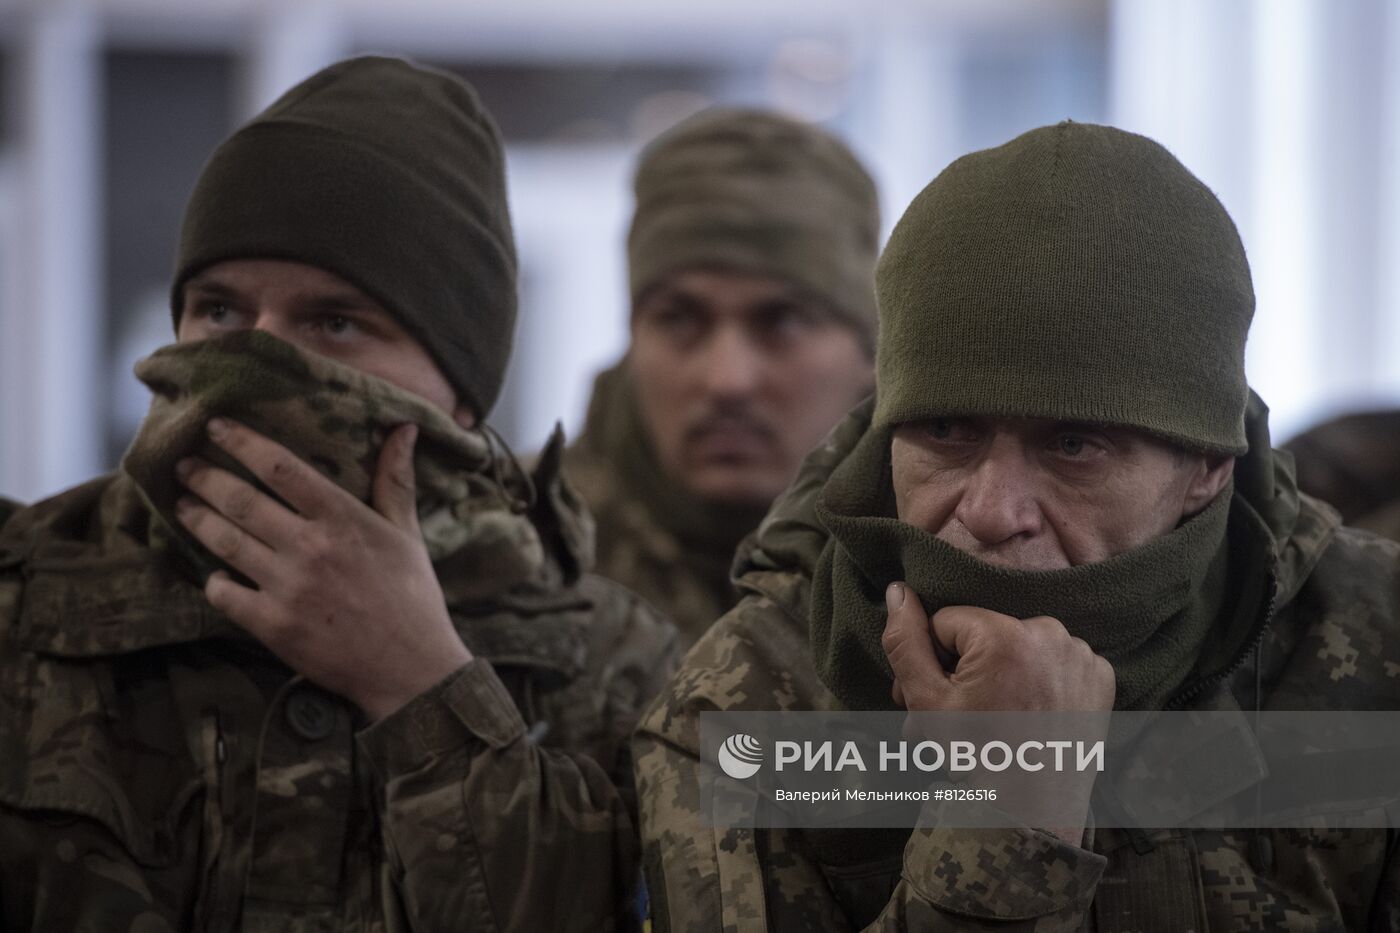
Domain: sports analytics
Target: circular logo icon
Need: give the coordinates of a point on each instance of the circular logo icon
(740, 756)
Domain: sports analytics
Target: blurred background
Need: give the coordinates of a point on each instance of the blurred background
(1288, 109)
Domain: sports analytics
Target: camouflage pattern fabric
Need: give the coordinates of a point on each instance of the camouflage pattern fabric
(1332, 642)
(759, 192)
(160, 770)
(1353, 462)
(656, 539)
(336, 418)
(1384, 521)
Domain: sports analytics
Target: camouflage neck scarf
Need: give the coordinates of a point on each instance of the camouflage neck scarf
(335, 418)
(710, 531)
(1149, 611)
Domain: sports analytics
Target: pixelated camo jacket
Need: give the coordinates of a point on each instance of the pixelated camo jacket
(1333, 642)
(161, 771)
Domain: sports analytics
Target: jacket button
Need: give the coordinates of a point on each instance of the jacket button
(310, 714)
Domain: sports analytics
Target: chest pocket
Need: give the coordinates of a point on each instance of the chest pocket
(71, 753)
(85, 712)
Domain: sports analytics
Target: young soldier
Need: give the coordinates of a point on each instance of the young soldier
(319, 657)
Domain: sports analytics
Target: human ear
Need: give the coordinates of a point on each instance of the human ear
(464, 416)
(1209, 474)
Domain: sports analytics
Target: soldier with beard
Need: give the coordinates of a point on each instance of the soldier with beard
(1065, 485)
(321, 656)
(750, 260)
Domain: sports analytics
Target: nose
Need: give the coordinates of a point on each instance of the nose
(998, 502)
(731, 366)
(275, 324)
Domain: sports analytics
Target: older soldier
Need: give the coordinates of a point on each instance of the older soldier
(1065, 467)
(751, 259)
(1353, 462)
(318, 657)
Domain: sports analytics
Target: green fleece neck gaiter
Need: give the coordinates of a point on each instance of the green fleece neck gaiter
(335, 418)
(709, 530)
(1148, 611)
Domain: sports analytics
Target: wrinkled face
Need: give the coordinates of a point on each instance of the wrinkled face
(319, 312)
(738, 377)
(1039, 494)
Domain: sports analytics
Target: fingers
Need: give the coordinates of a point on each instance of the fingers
(958, 629)
(238, 602)
(238, 501)
(286, 474)
(1078, 653)
(395, 494)
(226, 541)
(907, 644)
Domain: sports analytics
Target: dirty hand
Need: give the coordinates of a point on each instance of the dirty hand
(345, 593)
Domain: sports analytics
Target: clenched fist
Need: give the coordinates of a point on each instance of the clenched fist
(966, 659)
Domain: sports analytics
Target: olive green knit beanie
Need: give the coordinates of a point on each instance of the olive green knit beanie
(757, 192)
(1078, 272)
(392, 177)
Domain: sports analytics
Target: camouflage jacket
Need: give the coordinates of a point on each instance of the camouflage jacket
(652, 537)
(1333, 641)
(160, 770)
(1353, 462)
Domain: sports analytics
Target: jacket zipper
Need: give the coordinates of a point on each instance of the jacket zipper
(1191, 691)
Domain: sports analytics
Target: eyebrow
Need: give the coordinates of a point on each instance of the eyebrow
(209, 287)
(337, 301)
(1068, 425)
(672, 295)
(342, 303)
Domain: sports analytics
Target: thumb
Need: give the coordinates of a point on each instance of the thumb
(395, 493)
(908, 644)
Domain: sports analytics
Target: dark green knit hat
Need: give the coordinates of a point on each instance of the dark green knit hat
(754, 191)
(392, 177)
(1078, 272)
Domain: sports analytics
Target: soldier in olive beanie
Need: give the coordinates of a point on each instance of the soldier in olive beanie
(1077, 272)
(391, 176)
(760, 193)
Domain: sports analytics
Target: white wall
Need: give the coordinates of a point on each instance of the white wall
(1290, 111)
(1292, 117)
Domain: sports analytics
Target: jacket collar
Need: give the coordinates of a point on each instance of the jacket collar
(92, 588)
